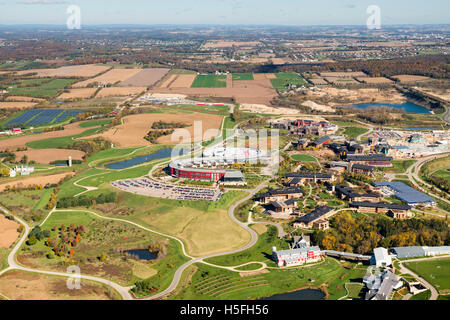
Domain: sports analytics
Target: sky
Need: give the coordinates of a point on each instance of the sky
(225, 12)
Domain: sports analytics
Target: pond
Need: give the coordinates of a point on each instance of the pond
(160, 154)
(142, 254)
(303, 294)
(409, 107)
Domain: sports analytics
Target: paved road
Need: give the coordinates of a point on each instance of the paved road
(446, 115)
(254, 239)
(413, 174)
(13, 265)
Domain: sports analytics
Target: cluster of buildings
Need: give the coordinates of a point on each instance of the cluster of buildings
(301, 127)
(212, 165)
(11, 132)
(407, 144)
(22, 170)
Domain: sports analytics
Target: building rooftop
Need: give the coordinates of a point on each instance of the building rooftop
(393, 206)
(405, 192)
(315, 215)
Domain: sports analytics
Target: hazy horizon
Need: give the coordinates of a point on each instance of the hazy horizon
(224, 12)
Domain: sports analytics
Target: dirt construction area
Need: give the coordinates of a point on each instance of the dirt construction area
(18, 285)
(19, 142)
(37, 180)
(8, 232)
(135, 127)
(111, 77)
(48, 155)
(145, 78)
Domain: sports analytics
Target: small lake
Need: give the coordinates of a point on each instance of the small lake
(142, 254)
(160, 154)
(409, 107)
(303, 294)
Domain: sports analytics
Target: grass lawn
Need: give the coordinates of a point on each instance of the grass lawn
(303, 158)
(209, 81)
(95, 123)
(209, 283)
(421, 296)
(262, 251)
(434, 271)
(243, 76)
(285, 78)
(103, 236)
(354, 132)
(60, 142)
(399, 166)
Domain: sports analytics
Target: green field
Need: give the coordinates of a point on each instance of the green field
(95, 123)
(210, 81)
(210, 283)
(399, 166)
(243, 76)
(435, 271)
(354, 132)
(60, 142)
(286, 78)
(303, 158)
(40, 88)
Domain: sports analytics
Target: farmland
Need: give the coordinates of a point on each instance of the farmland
(42, 287)
(8, 232)
(83, 93)
(284, 79)
(120, 91)
(145, 78)
(110, 78)
(39, 88)
(135, 127)
(209, 81)
(242, 76)
(77, 71)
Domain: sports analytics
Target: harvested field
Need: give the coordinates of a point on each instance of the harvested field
(38, 180)
(135, 127)
(374, 80)
(49, 155)
(229, 44)
(145, 78)
(17, 105)
(111, 77)
(255, 92)
(183, 81)
(229, 81)
(19, 285)
(78, 71)
(343, 74)
(19, 142)
(83, 93)
(409, 78)
(25, 99)
(168, 81)
(264, 76)
(8, 232)
(119, 91)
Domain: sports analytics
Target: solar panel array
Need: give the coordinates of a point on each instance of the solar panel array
(38, 117)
